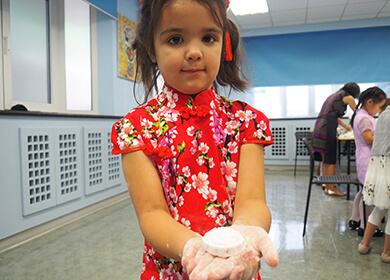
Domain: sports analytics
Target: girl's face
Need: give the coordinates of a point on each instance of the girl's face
(373, 108)
(188, 46)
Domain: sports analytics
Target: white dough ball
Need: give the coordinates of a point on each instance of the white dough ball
(223, 242)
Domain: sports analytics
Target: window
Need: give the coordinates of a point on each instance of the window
(48, 55)
(297, 98)
(268, 100)
(300, 101)
(78, 55)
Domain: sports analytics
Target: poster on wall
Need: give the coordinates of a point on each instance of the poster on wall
(126, 35)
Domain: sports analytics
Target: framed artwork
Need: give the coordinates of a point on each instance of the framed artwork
(126, 36)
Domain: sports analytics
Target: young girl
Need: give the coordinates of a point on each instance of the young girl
(376, 189)
(364, 125)
(193, 161)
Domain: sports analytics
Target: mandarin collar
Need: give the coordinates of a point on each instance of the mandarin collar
(175, 99)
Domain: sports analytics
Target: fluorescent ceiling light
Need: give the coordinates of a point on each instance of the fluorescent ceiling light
(248, 7)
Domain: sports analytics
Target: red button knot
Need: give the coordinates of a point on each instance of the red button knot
(162, 152)
(200, 111)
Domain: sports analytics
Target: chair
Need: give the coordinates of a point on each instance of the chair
(300, 149)
(328, 179)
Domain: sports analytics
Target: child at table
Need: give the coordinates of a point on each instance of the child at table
(376, 189)
(193, 160)
(363, 124)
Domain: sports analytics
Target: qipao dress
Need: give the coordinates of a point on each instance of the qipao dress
(194, 144)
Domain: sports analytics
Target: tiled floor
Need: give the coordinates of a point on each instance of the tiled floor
(108, 244)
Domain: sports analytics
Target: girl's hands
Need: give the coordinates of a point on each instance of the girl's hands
(200, 265)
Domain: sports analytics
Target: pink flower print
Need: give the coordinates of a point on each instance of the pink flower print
(262, 125)
(200, 161)
(227, 208)
(172, 194)
(147, 134)
(186, 223)
(181, 201)
(191, 131)
(167, 273)
(122, 144)
(174, 212)
(224, 151)
(170, 115)
(186, 171)
(180, 180)
(231, 189)
(233, 147)
(244, 116)
(200, 181)
(160, 98)
(231, 127)
(172, 98)
(229, 169)
(194, 148)
(212, 212)
(127, 129)
(259, 134)
(154, 142)
(211, 163)
(221, 220)
(146, 123)
(187, 187)
(203, 148)
(211, 195)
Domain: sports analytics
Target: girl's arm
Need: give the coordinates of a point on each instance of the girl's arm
(250, 204)
(349, 100)
(160, 230)
(368, 137)
(343, 124)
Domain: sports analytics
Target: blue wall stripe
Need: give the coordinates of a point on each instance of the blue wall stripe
(328, 57)
(107, 6)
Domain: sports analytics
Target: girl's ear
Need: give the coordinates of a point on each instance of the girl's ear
(152, 57)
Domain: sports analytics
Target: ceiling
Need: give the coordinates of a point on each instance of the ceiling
(304, 12)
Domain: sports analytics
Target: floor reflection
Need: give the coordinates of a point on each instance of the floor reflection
(109, 244)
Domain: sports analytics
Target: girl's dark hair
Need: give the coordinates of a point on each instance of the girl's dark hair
(230, 72)
(352, 88)
(374, 93)
(387, 103)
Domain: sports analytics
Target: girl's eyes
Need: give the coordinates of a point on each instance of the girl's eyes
(176, 40)
(209, 39)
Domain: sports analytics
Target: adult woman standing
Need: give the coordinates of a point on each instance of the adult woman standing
(325, 130)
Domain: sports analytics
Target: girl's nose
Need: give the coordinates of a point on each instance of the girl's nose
(194, 53)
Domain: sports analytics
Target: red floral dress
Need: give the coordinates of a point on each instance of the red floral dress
(194, 143)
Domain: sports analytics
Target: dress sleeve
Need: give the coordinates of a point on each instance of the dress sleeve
(258, 129)
(365, 124)
(125, 137)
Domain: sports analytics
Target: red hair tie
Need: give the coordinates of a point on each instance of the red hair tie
(228, 47)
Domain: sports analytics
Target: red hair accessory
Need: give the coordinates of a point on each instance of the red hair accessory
(226, 1)
(228, 47)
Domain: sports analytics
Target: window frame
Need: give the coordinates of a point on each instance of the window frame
(57, 63)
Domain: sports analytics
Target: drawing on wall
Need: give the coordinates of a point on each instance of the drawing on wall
(126, 35)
